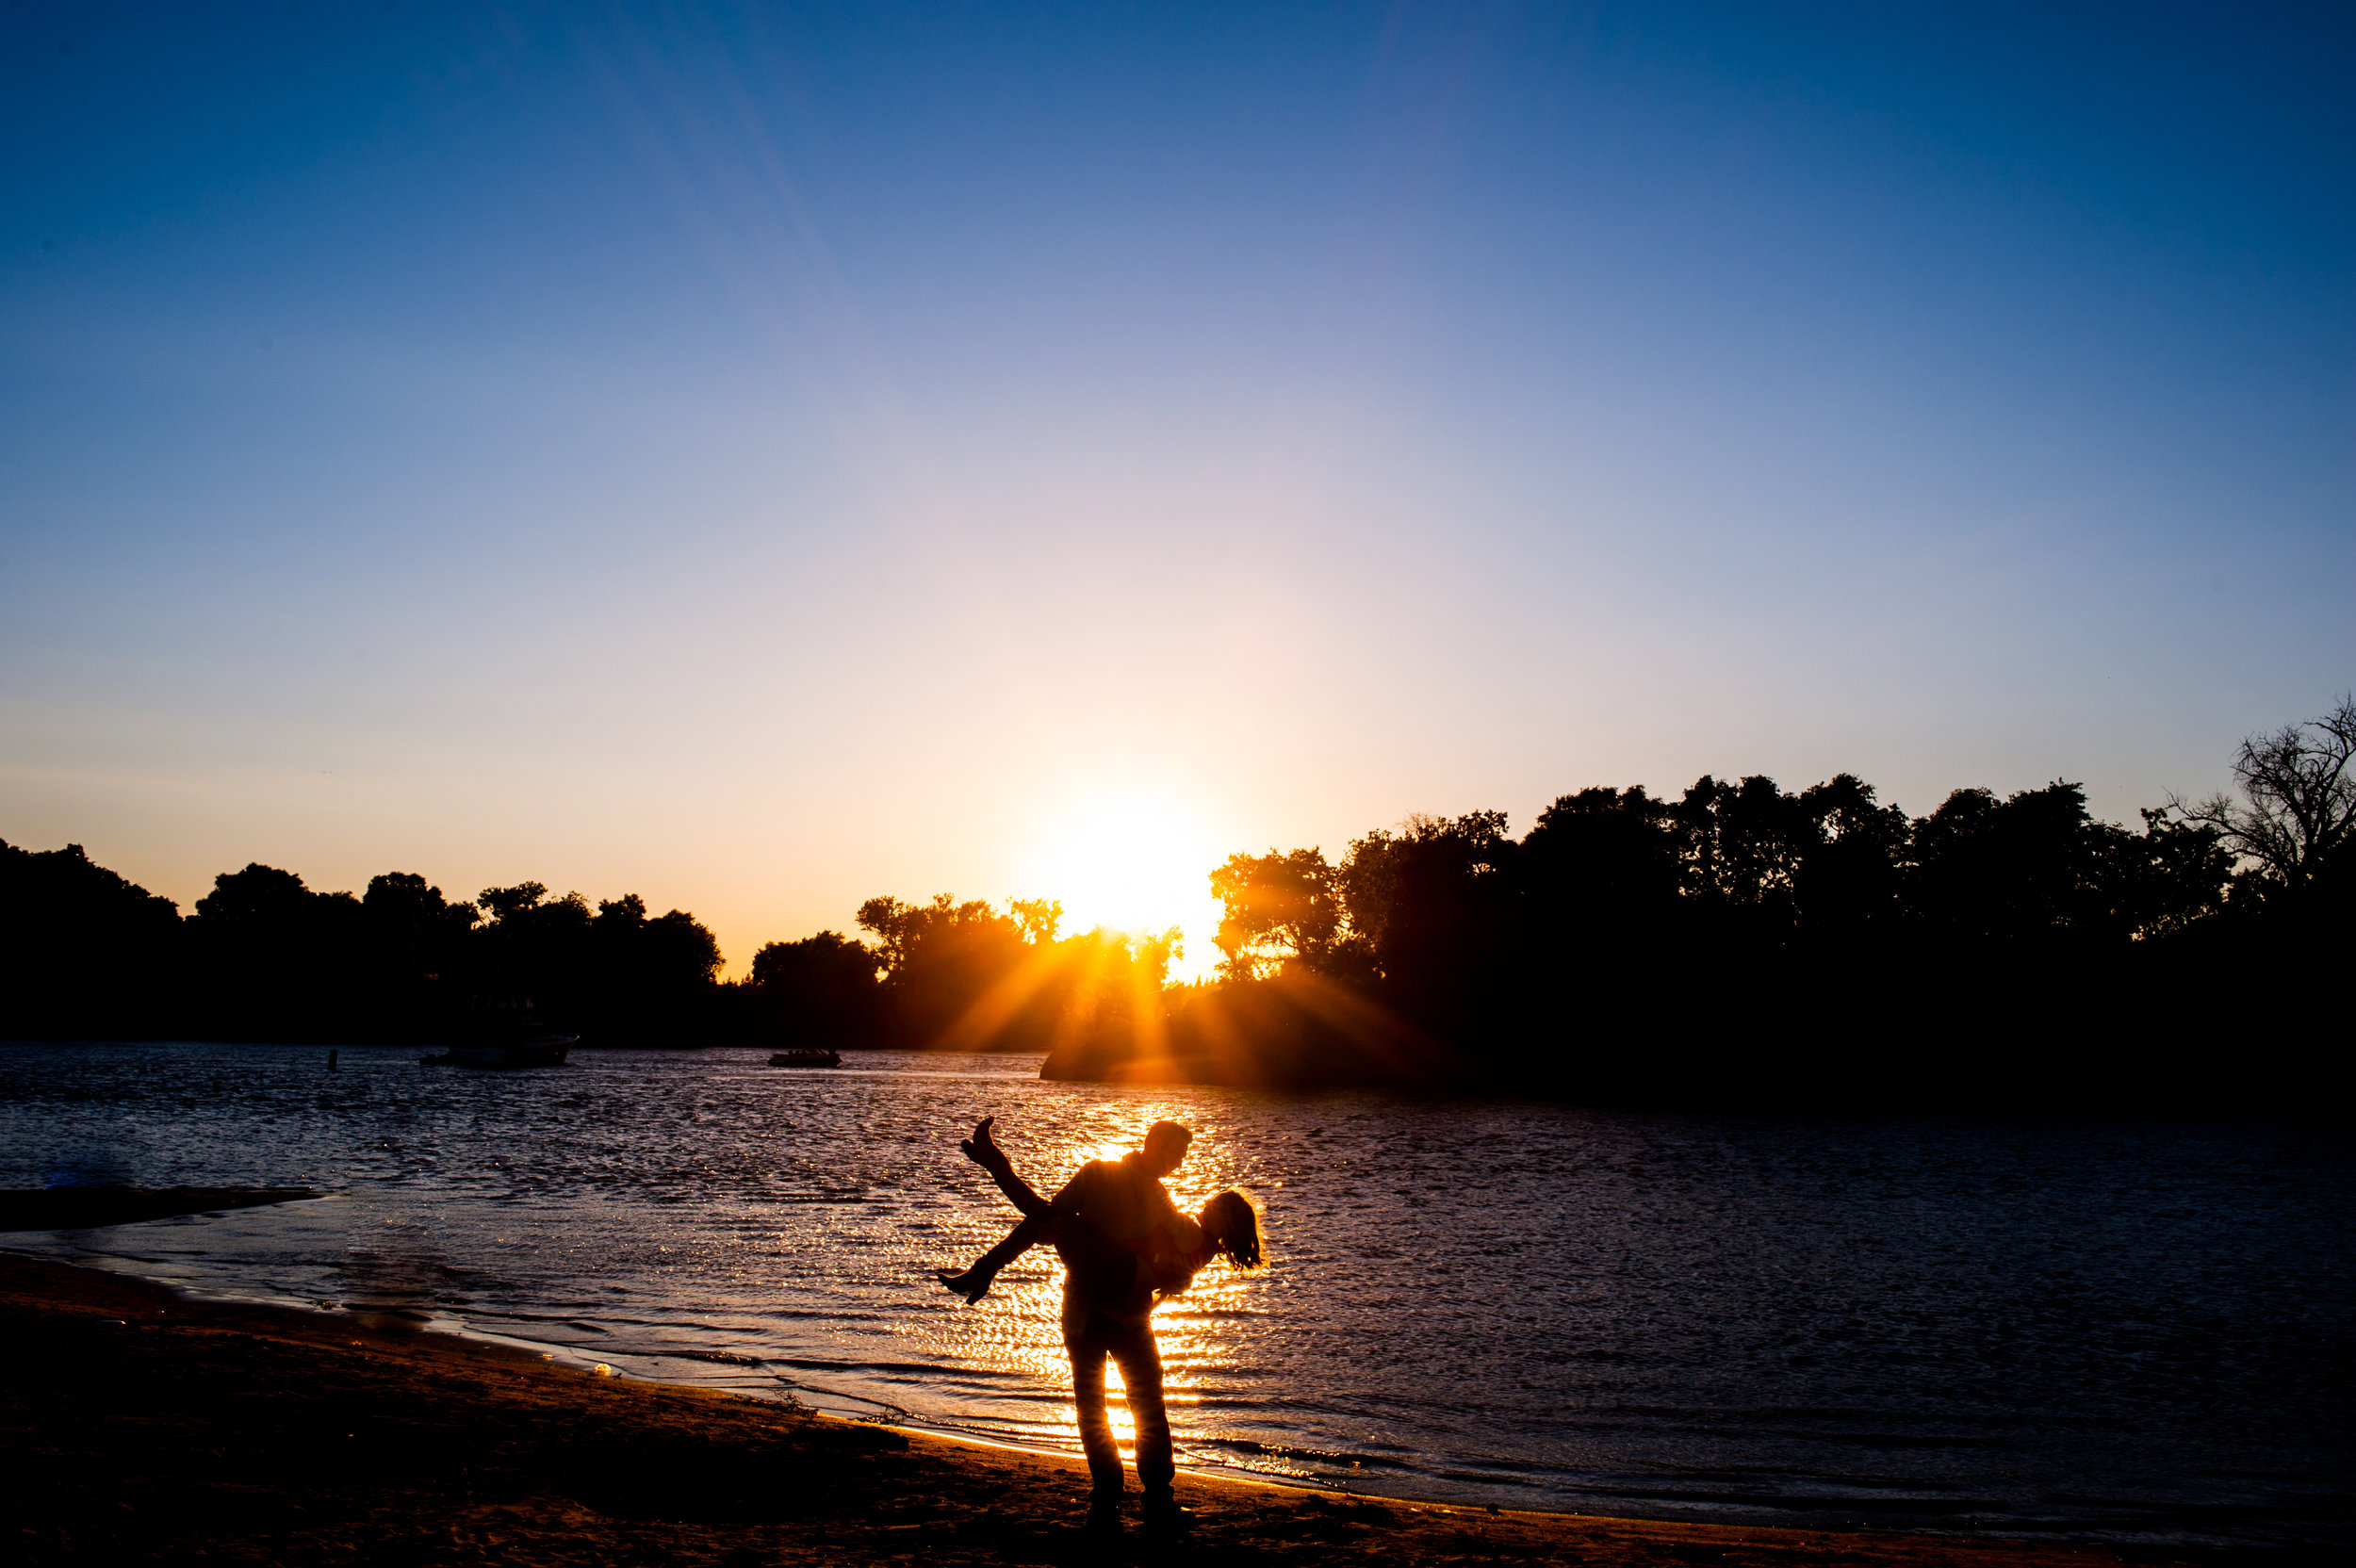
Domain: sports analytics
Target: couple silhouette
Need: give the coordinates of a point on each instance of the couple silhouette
(1125, 1246)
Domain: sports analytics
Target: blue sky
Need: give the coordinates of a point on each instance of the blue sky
(765, 456)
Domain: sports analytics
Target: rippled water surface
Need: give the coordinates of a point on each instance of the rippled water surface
(2124, 1328)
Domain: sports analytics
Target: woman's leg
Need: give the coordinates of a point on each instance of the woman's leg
(975, 1282)
(984, 1151)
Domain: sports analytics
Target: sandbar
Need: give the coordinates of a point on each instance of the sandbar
(87, 1208)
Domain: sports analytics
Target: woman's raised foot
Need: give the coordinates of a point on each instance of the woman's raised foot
(981, 1147)
(968, 1285)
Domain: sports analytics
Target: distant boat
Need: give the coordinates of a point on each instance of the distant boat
(542, 1051)
(528, 1043)
(806, 1058)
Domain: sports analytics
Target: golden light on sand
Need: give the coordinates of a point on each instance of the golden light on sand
(1133, 862)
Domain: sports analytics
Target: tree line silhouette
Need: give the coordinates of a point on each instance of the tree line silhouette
(1747, 944)
(263, 957)
(1739, 942)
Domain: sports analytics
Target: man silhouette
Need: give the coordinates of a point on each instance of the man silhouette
(1124, 1243)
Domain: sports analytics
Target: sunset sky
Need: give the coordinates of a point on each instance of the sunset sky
(763, 457)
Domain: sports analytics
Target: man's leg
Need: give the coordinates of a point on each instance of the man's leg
(1140, 1362)
(1088, 1345)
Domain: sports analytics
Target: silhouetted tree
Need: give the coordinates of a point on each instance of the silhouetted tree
(824, 992)
(1280, 910)
(1849, 882)
(415, 951)
(83, 952)
(2025, 870)
(1599, 860)
(277, 961)
(1434, 904)
(1741, 845)
(649, 981)
(1040, 918)
(962, 976)
(615, 975)
(1602, 925)
(413, 927)
(1102, 989)
(942, 962)
(2169, 878)
(535, 956)
(2297, 815)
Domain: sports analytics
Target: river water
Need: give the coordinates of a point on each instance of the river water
(2122, 1331)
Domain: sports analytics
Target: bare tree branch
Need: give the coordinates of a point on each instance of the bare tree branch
(2297, 804)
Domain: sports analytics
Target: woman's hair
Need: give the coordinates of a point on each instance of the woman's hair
(1235, 1223)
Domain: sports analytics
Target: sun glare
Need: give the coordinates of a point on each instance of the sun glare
(1135, 864)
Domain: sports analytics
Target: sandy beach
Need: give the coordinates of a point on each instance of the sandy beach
(144, 1427)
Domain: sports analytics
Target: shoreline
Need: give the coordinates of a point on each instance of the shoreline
(158, 1425)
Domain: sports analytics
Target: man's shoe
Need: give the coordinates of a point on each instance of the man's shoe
(1163, 1516)
(1103, 1520)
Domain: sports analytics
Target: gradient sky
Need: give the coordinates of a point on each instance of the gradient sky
(765, 456)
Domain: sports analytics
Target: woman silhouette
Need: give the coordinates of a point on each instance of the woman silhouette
(1126, 1247)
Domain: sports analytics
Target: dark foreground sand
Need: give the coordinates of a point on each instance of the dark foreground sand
(138, 1427)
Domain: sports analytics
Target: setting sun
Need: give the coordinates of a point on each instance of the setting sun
(1135, 863)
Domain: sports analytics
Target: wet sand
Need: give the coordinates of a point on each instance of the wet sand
(141, 1427)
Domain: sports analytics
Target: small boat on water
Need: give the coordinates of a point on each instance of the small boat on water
(806, 1058)
(546, 1050)
(521, 1040)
